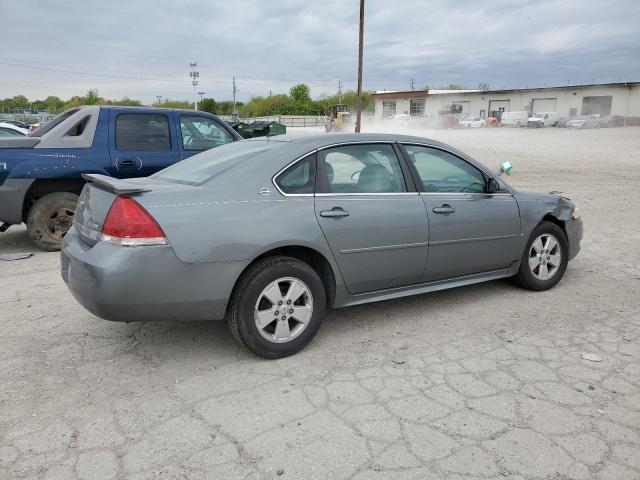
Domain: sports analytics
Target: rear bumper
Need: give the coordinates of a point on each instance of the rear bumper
(12, 193)
(129, 284)
(574, 230)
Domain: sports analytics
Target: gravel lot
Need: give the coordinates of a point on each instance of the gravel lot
(487, 381)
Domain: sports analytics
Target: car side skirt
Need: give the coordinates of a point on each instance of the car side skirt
(344, 299)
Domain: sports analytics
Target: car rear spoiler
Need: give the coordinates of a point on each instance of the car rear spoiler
(119, 187)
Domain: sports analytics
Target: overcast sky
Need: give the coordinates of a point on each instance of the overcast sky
(142, 48)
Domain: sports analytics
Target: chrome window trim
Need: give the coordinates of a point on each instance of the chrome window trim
(466, 193)
(482, 168)
(316, 150)
(381, 194)
(275, 184)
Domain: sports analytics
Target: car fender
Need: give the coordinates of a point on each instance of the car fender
(534, 207)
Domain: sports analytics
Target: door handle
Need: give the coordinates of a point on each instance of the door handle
(127, 163)
(446, 208)
(335, 212)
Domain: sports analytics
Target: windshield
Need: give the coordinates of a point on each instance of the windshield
(204, 166)
(538, 115)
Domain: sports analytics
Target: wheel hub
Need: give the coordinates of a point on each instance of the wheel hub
(283, 310)
(545, 256)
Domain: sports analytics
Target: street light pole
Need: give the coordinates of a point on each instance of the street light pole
(194, 81)
(360, 44)
(234, 112)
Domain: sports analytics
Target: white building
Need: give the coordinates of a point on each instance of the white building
(621, 99)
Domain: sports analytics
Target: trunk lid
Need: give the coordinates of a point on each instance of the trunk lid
(99, 194)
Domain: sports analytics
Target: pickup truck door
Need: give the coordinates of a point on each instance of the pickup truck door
(198, 133)
(141, 143)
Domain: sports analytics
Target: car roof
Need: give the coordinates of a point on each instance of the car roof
(142, 107)
(320, 141)
(11, 126)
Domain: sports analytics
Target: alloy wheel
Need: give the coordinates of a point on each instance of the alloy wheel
(283, 310)
(545, 256)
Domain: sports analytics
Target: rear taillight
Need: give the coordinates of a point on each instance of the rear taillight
(129, 224)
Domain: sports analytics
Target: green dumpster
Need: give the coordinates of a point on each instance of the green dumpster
(265, 128)
(243, 129)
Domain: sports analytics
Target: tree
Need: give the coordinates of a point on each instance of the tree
(54, 104)
(125, 102)
(92, 98)
(484, 86)
(208, 105)
(166, 103)
(19, 101)
(300, 93)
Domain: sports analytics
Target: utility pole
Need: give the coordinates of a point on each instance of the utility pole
(234, 112)
(194, 81)
(360, 45)
(340, 91)
(159, 97)
(201, 96)
(412, 84)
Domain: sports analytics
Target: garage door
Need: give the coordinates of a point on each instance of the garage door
(541, 105)
(498, 106)
(601, 105)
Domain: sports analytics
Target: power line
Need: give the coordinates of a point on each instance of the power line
(143, 75)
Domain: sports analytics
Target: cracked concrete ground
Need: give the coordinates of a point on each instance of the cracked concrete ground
(488, 381)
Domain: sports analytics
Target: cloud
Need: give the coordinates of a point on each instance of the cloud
(269, 46)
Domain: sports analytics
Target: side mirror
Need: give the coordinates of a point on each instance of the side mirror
(506, 167)
(493, 186)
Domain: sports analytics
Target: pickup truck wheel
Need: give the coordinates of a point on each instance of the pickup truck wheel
(50, 218)
(277, 307)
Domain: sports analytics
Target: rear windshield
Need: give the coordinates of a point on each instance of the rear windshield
(56, 121)
(203, 167)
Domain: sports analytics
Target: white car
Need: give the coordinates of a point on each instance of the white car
(584, 121)
(544, 119)
(472, 122)
(10, 130)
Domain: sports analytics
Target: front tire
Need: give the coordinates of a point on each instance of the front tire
(277, 307)
(50, 218)
(545, 258)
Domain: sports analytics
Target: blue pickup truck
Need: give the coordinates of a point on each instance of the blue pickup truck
(41, 175)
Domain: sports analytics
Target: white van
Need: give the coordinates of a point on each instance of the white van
(544, 119)
(514, 119)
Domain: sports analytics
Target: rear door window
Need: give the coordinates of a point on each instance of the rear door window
(142, 131)
(366, 168)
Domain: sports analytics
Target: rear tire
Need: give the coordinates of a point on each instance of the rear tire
(545, 258)
(260, 313)
(50, 218)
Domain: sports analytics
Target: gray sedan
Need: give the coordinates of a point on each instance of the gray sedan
(269, 233)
